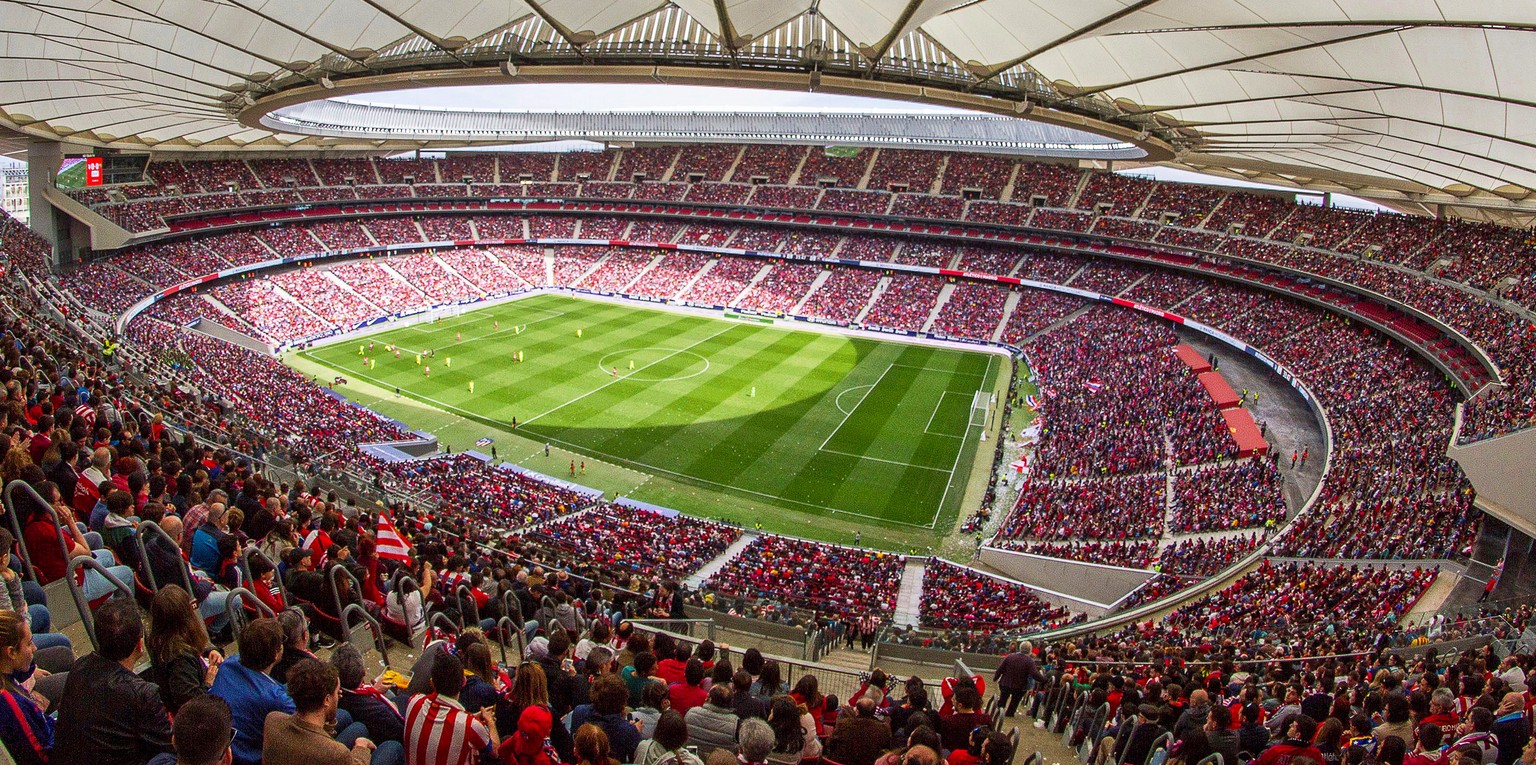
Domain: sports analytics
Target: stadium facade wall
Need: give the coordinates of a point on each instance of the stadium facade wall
(1501, 469)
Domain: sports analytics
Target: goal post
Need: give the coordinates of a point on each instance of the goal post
(981, 408)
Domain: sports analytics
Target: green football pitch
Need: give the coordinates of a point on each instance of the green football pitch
(708, 413)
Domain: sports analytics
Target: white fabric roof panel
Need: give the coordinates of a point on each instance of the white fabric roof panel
(1415, 93)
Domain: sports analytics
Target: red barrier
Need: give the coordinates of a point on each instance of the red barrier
(1220, 391)
(1246, 432)
(1193, 359)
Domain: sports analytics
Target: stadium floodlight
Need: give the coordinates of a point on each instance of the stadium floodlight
(508, 68)
(326, 82)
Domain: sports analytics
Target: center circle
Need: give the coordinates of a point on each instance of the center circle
(645, 358)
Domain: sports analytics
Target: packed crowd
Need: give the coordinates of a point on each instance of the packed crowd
(826, 578)
(641, 542)
(955, 597)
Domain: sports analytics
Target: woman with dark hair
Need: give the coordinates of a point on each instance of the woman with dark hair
(368, 569)
(768, 683)
(668, 745)
(182, 662)
(784, 717)
(482, 686)
(752, 662)
(808, 696)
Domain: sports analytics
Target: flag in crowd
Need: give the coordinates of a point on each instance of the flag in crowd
(484, 441)
(391, 545)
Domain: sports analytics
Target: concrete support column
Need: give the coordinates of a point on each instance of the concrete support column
(43, 159)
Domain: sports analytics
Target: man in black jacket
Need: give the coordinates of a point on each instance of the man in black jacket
(109, 715)
(366, 704)
(1134, 748)
(1014, 674)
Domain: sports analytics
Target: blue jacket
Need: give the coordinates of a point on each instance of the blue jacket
(251, 695)
(205, 550)
(13, 732)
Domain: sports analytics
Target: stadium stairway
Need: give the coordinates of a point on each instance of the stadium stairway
(938, 306)
(719, 562)
(909, 602)
(1008, 309)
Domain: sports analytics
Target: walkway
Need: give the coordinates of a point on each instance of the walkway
(909, 602)
(719, 562)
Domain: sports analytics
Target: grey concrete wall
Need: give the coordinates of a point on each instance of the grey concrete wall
(1503, 470)
(1092, 582)
(215, 329)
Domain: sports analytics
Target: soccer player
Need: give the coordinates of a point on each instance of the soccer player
(496, 323)
(427, 370)
(471, 386)
(448, 362)
(418, 359)
(615, 371)
(458, 337)
(359, 349)
(573, 467)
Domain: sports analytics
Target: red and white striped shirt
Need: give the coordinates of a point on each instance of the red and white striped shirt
(439, 732)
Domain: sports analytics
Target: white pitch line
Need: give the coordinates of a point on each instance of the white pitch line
(936, 408)
(617, 380)
(882, 459)
(949, 485)
(855, 408)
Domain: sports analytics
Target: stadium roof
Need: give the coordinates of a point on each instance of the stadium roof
(1418, 101)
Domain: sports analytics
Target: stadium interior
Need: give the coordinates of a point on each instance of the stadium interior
(948, 430)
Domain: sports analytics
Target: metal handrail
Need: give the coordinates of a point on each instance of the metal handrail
(245, 568)
(439, 616)
(373, 626)
(401, 585)
(152, 528)
(10, 508)
(330, 580)
(84, 604)
(460, 593)
(509, 627)
(235, 613)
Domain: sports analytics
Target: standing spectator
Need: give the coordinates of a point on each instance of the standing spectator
(860, 738)
(437, 729)
(245, 682)
(109, 716)
(955, 727)
(202, 732)
(1014, 674)
(182, 663)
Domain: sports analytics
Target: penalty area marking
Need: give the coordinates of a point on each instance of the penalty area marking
(838, 402)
